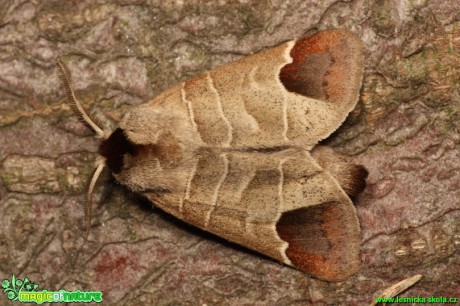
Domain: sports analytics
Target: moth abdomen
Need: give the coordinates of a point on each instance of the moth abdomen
(351, 177)
(357, 180)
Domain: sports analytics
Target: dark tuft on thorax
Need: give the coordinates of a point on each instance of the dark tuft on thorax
(114, 148)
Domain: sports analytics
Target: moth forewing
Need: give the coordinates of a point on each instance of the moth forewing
(232, 151)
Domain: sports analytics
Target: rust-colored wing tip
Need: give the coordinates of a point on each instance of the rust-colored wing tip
(327, 66)
(319, 244)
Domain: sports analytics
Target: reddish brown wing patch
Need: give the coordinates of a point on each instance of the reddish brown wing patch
(325, 66)
(321, 242)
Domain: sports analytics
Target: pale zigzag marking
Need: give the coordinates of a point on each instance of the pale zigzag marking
(220, 109)
(242, 188)
(189, 106)
(285, 116)
(254, 86)
(189, 181)
(280, 209)
(240, 194)
(186, 196)
(280, 199)
(216, 191)
(252, 81)
(280, 186)
(288, 59)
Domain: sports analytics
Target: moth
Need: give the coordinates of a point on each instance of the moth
(234, 151)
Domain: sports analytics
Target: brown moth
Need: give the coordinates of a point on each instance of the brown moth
(235, 152)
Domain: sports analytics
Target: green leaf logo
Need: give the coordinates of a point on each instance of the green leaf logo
(13, 287)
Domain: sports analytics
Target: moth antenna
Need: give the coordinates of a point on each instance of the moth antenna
(89, 202)
(71, 98)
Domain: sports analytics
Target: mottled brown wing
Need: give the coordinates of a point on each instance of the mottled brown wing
(222, 152)
(295, 94)
(265, 200)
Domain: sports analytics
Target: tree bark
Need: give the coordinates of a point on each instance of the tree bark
(405, 131)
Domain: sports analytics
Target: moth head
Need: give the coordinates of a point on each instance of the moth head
(143, 153)
(137, 152)
(112, 151)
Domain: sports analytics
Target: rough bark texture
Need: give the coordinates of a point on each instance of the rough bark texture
(405, 130)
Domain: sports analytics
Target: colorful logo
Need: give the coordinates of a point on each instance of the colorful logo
(23, 291)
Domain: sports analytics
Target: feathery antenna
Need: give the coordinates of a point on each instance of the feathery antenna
(89, 203)
(73, 100)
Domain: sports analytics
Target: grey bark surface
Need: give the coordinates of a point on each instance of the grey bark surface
(405, 130)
